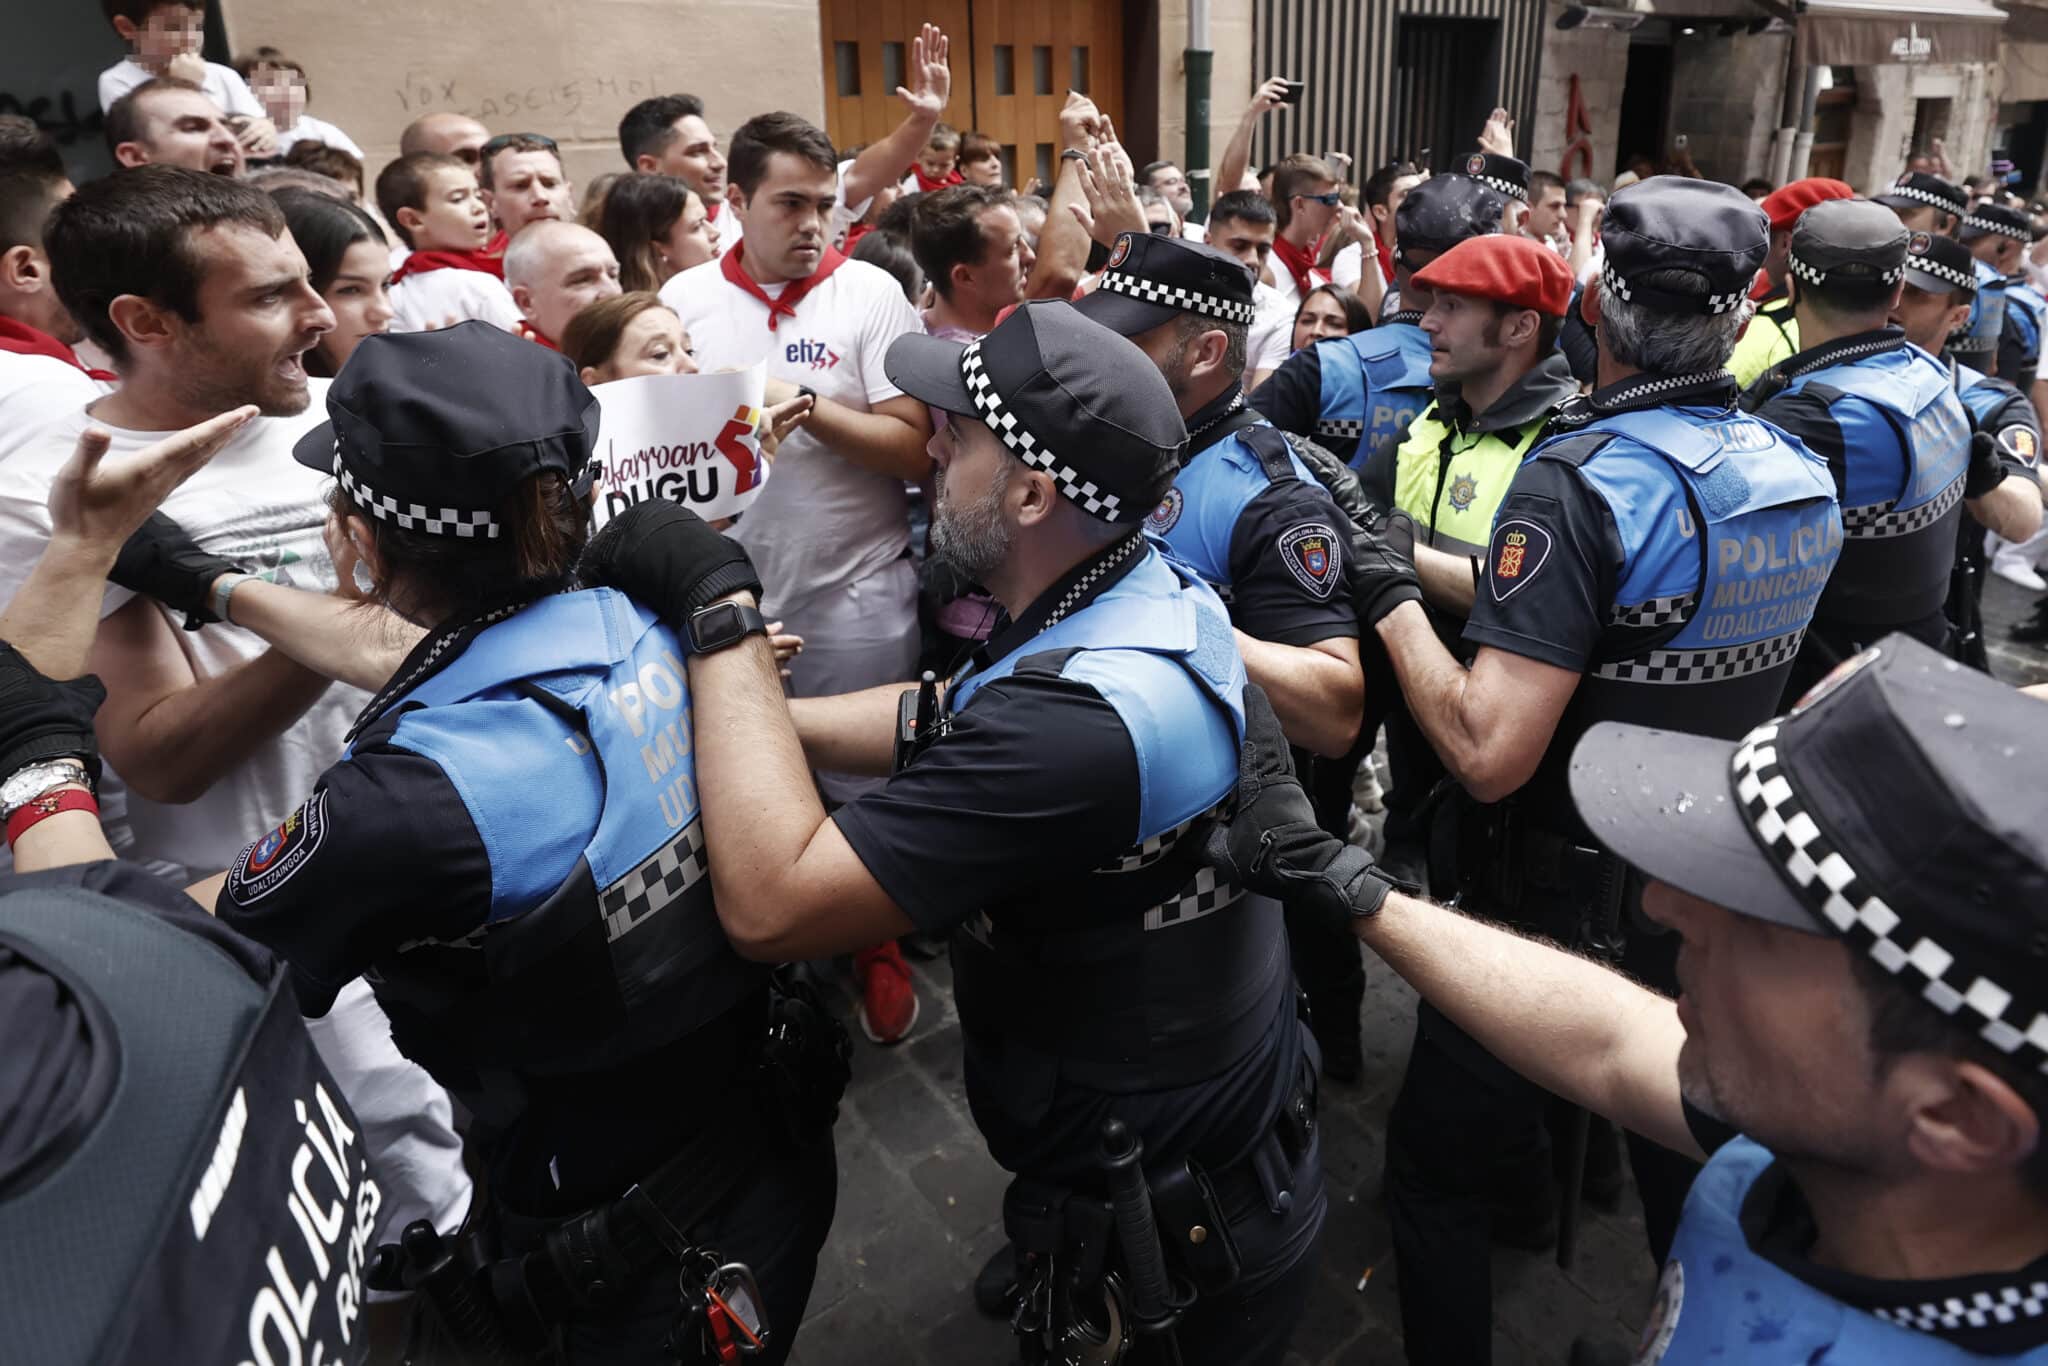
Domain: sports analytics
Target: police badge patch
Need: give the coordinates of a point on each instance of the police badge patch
(270, 862)
(1311, 554)
(1123, 250)
(1464, 489)
(2020, 442)
(1519, 550)
(1161, 519)
(1474, 164)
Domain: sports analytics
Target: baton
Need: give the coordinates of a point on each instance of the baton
(1152, 1304)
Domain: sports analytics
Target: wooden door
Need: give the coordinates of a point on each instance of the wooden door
(1013, 63)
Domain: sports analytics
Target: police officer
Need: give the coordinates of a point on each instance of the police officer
(2002, 491)
(1861, 1034)
(1353, 393)
(1103, 974)
(1773, 333)
(1509, 177)
(1623, 580)
(1998, 236)
(1252, 520)
(1885, 417)
(512, 849)
(1927, 203)
(180, 1177)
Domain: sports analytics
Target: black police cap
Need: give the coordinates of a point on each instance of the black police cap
(1152, 279)
(1710, 230)
(1916, 188)
(1940, 264)
(1443, 211)
(431, 430)
(1938, 871)
(1848, 239)
(1066, 395)
(1996, 220)
(1506, 174)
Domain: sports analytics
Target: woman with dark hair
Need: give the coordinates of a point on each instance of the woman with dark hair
(1327, 311)
(349, 261)
(516, 826)
(657, 228)
(892, 253)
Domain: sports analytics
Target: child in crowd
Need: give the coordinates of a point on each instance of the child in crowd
(434, 205)
(280, 84)
(936, 166)
(163, 38)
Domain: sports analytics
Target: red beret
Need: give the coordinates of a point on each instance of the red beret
(1783, 207)
(1518, 271)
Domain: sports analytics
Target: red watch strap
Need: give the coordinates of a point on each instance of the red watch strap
(46, 806)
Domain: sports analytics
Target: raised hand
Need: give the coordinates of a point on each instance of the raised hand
(931, 79)
(100, 503)
(1498, 136)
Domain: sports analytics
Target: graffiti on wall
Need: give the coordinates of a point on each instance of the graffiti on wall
(57, 115)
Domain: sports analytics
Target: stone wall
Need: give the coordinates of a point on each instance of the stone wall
(1599, 58)
(1727, 97)
(1231, 79)
(1887, 102)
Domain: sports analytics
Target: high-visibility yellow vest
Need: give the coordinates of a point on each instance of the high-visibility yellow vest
(1451, 482)
(1772, 335)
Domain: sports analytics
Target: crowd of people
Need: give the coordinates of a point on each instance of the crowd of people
(1644, 525)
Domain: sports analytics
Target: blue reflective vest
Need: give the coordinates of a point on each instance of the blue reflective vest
(1982, 395)
(566, 730)
(1719, 1301)
(1199, 515)
(1374, 383)
(1163, 976)
(1906, 437)
(2026, 316)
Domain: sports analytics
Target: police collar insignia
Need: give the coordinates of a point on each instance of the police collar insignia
(1311, 554)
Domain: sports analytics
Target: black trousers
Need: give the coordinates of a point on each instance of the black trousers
(1327, 959)
(1462, 1123)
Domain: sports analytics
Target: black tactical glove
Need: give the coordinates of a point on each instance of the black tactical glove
(42, 718)
(1272, 844)
(1383, 568)
(162, 561)
(1339, 478)
(1986, 470)
(669, 558)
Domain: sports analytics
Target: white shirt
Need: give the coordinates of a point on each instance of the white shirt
(221, 85)
(1348, 269)
(1283, 284)
(844, 215)
(255, 504)
(1270, 339)
(432, 298)
(1193, 231)
(36, 389)
(310, 129)
(730, 229)
(821, 523)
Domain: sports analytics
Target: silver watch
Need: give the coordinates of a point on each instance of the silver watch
(24, 785)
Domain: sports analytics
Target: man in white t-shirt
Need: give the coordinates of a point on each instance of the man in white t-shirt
(830, 532)
(523, 181)
(1243, 224)
(555, 271)
(169, 122)
(195, 288)
(40, 375)
(450, 275)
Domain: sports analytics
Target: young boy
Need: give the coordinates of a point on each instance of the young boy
(935, 166)
(434, 205)
(279, 83)
(163, 38)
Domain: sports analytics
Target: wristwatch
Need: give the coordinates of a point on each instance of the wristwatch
(24, 785)
(724, 623)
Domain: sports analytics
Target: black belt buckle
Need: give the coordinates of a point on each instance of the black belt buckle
(1192, 1227)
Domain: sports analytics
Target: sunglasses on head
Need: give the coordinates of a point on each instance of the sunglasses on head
(504, 140)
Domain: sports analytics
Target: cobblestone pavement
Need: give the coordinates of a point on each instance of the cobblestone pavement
(920, 1201)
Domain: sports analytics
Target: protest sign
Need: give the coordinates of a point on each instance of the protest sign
(687, 438)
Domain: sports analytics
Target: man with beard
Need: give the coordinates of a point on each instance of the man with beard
(1102, 977)
(40, 375)
(194, 287)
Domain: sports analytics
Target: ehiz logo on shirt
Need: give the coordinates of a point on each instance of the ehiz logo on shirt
(815, 355)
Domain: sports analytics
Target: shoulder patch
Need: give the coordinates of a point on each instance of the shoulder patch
(2021, 442)
(275, 859)
(1311, 555)
(1520, 549)
(1161, 519)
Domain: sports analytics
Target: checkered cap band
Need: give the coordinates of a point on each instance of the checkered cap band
(1655, 612)
(1506, 187)
(1076, 487)
(413, 516)
(1816, 278)
(1992, 225)
(1613, 284)
(1824, 878)
(1681, 667)
(658, 883)
(1173, 296)
(1902, 191)
(1961, 279)
(1982, 1309)
(1350, 427)
(1879, 522)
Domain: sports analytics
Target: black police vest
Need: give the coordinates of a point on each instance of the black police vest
(219, 1208)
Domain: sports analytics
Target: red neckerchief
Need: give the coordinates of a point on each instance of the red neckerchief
(792, 293)
(1300, 263)
(856, 232)
(420, 262)
(19, 339)
(528, 331)
(926, 185)
(1761, 289)
(711, 208)
(1386, 258)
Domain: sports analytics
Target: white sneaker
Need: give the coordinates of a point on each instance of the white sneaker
(2016, 570)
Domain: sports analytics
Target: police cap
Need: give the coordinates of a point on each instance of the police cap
(1848, 240)
(1066, 395)
(1152, 279)
(1939, 872)
(1940, 265)
(429, 431)
(1443, 211)
(1505, 174)
(1996, 220)
(1915, 188)
(1676, 223)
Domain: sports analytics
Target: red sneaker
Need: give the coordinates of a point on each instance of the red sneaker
(888, 1001)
